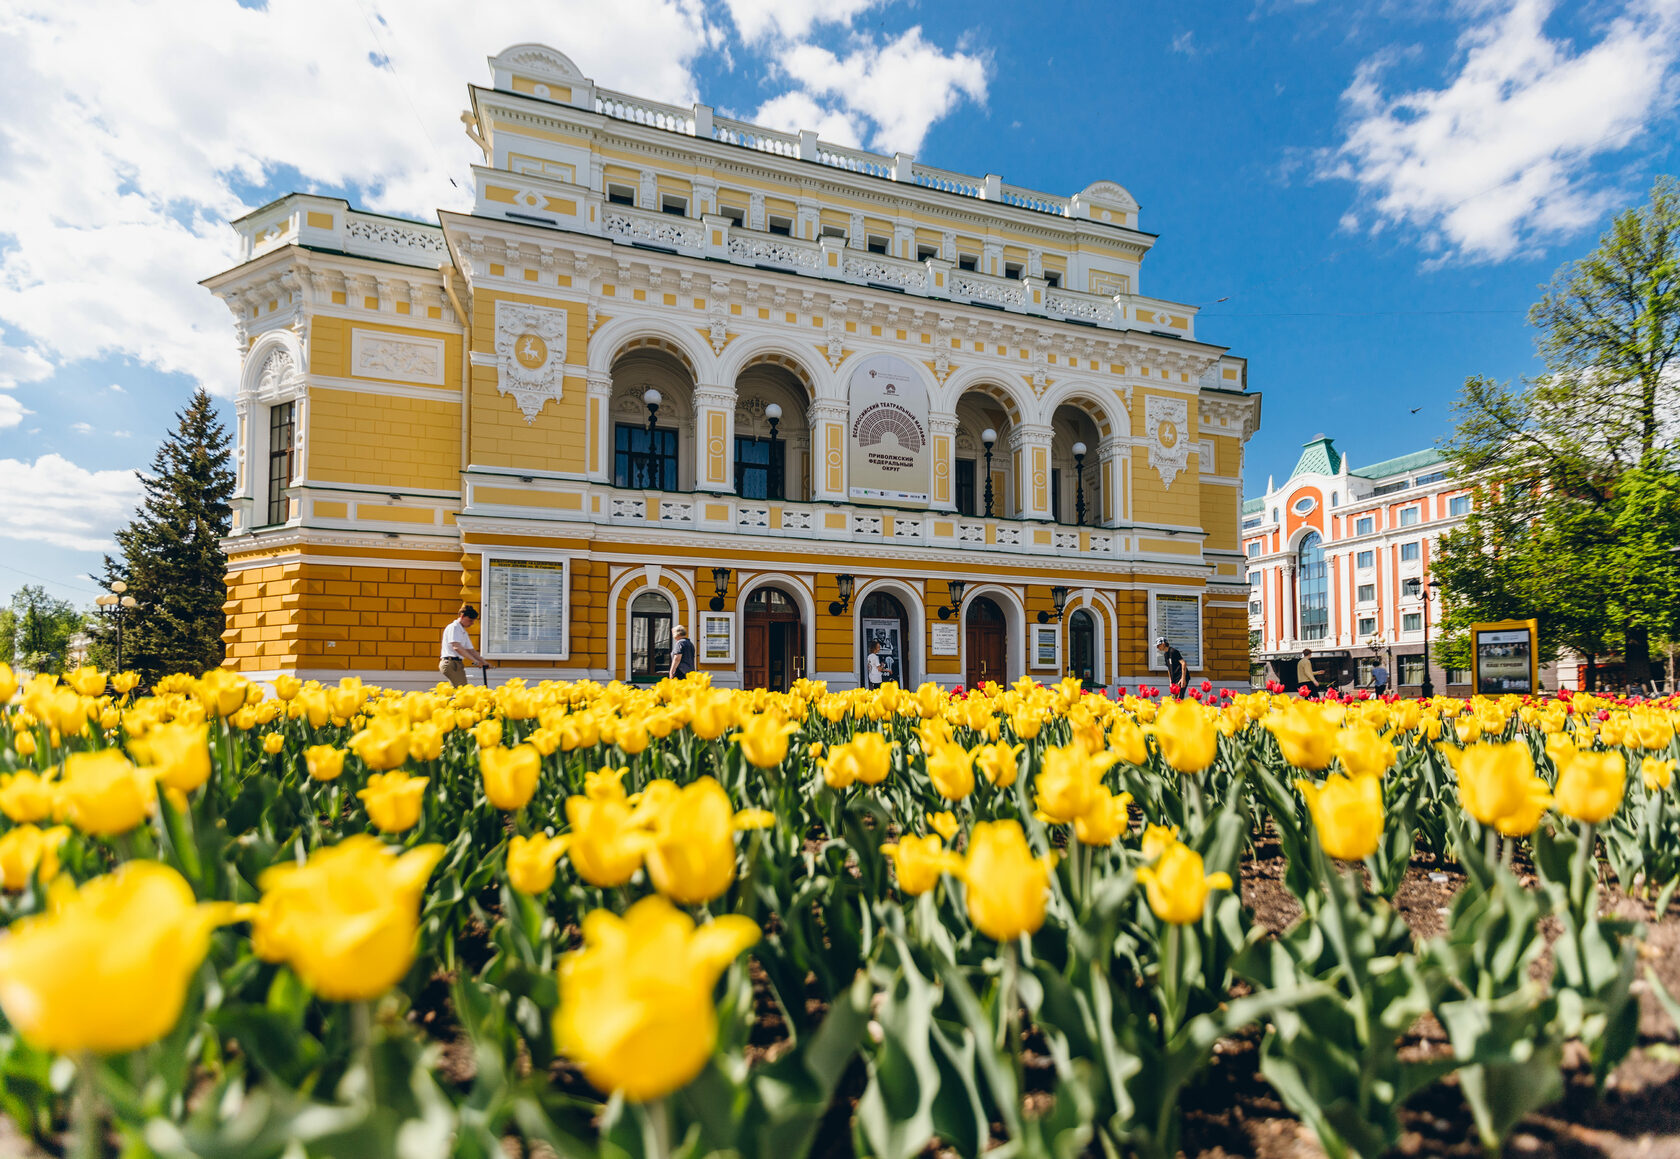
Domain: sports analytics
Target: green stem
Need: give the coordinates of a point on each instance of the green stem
(1009, 1013)
(1172, 954)
(657, 1139)
(86, 1123)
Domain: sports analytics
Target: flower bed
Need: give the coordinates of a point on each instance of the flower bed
(681, 920)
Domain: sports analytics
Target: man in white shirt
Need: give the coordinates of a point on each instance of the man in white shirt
(458, 648)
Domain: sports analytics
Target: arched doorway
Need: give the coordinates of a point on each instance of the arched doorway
(984, 643)
(775, 640)
(883, 618)
(650, 638)
(1082, 647)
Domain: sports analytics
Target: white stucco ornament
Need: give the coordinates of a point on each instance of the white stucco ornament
(530, 354)
(1164, 423)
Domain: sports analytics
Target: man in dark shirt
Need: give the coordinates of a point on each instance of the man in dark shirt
(1178, 676)
(682, 653)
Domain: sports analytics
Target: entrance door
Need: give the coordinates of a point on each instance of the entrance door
(984, 643)
(883, 621)
(775, 641)
(1082, 647)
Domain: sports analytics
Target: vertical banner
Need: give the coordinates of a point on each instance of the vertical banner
(1505, 657)
(887, 444)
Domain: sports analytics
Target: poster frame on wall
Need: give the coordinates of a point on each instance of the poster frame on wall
(1046, 647)
(716, 628)
(891, 634)
(1504, 633)
(493, 612)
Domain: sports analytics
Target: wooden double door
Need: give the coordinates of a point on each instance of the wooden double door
(984, 643)
(774, 641)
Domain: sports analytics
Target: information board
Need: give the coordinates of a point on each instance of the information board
(946, 639)
(1047, 646)
(1179, 619)
(1504, 658)
(525, 608)
(717, 637)
(888, 457)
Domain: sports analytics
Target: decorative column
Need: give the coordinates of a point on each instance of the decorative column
(1291, 608)
(600, 428)
(1029, 444)
(942, 430)
(714, 435)
(828, 449)
(1111, 464)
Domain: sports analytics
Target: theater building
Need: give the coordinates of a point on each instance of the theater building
(1338, 561)
(674, 368)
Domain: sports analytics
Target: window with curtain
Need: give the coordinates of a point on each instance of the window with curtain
(1313, 579)
(760, 468)
(639, 462)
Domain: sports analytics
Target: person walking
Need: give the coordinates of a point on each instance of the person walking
(1306, 676)
(458, 648)
(873, 672)
(1379, 679)
(1178, 674)
(682, 653)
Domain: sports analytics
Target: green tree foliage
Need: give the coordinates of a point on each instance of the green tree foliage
(1577, 478)
(172, 558)
(35, 630)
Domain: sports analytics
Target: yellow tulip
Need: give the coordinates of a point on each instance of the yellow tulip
(1363, 751)
(178, 754)
(1008, 887)
(24, 743)
(221, 691)
(393, 801)
(345, 921)
(1498, 786)
(488, 733)
(867, 757)
(27, 851)
(1348, 814)
(8, 683)
(1590, 785)
(944, 824)
(425, 741)
(748, 819)
(272, 744)
(25, 797)
(530, 862)
(605, 783)
(324, 762)
(764, 740)
(1187, 735)
(1125, 739)
(104, 795)
(636, 1008)
(604, 843)
(510, 775)
(1656, 773)
(107, 970)
(1106, 816)
(714, 715)
(693, 856)
(87, 680)
(1176, 886)
(1068, 779)
(1306, 739)
(920, 861)
(951, 769)
(383, 744)
(999, 763)
(286, 687)
(1157, 839)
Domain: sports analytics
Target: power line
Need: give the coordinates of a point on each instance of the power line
(48, 579)
(388, 61)
(1356, 313)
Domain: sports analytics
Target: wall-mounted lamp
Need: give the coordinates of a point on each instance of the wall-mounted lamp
(1058, 600)
(720, 581)
(956, 588)
(838, 607)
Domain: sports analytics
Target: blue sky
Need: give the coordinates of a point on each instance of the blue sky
(1378, 190)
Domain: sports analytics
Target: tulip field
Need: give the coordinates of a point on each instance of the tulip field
(578, 919)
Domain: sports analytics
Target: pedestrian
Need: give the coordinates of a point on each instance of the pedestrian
(1178, 674)
(682, 653)
(1305, 675)
(458, 648)
(1379, 678)
(873, 671)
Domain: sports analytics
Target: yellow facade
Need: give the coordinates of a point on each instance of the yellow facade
(460, 411)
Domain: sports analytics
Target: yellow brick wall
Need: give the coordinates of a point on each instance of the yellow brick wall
(1151, 501)
(1222, 516)
(499, 434)
(377, 440)
(330, 342)
(1225, 639)
(1131, 613)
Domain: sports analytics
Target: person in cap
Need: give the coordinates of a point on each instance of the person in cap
(1178, 674)
(458, 647)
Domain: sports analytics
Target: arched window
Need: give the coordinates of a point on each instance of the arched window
(1313, 578)
(650, 637)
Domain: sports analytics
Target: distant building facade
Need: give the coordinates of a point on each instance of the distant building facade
(1338, 561)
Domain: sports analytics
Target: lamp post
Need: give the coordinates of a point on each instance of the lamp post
(1079, 475)
(773, 473)
(988, 436)
(114, 606)
(1416, 587)
(652, 398)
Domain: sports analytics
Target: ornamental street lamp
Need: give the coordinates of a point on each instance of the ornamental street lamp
(988, 436)
(115, 606)
(956, 588)
(1416, 587)
(652, 398)
(1058, 600)
(773, 474)
(1079, 474)
(842, 584)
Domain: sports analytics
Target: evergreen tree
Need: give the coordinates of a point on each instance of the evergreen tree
(35, 630)
(1576, 472)
(172, 557)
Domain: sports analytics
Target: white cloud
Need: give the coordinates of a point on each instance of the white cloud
(19, 364)
(11, 411)
(1499, 159)
(82, 428)
(758, 20)
(794, 111)
(122, 434)
(117, 388)
(54, 501)
(1185, 42)
(902, 85)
